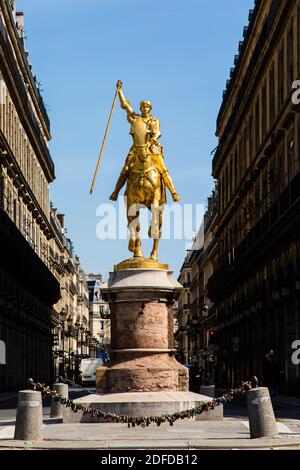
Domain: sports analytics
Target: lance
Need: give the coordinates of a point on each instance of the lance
(104, 141)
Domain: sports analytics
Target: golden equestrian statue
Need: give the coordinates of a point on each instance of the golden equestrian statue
(146, 175)
(147, 178)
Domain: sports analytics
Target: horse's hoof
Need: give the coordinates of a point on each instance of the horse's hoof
(153, 257)
(138, 254)
(131, 245)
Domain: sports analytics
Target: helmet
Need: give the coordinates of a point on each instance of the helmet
(146, 102)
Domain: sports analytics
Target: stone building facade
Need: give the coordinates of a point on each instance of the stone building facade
(254, 285)
(28, 288)
(99, 314)
(71, 331)
(190, 333)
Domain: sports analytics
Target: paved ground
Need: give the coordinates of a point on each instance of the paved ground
(231, 433)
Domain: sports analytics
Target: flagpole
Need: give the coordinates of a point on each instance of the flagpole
(104, 141)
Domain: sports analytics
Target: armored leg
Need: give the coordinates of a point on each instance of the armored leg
(170, 185)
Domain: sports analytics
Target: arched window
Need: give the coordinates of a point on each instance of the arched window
(2, 353)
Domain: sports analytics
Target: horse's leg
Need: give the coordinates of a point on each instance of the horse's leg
(132, 222)
(156, 225)
(138, 245)
(132, 238)
(134, 229)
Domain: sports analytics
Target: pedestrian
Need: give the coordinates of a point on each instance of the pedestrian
(270, 372)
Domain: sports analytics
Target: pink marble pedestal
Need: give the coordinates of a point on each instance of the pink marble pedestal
(142, 343)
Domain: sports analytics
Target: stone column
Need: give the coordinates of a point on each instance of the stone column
(261, 415)
(142, 347)
(29, 420)
(56, 406)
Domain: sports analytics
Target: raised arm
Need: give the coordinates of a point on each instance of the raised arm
(125, 104)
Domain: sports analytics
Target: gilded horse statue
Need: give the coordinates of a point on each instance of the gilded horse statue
(146, 175)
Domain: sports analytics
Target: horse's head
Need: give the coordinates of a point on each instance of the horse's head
(139, 132)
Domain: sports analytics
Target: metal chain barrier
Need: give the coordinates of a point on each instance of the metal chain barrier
(142, 421)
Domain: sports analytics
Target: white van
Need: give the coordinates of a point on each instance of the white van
(88, 369)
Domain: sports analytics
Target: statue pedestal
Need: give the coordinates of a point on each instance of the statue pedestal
(142, 344)
(143, 377)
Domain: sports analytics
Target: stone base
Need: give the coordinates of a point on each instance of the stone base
(142, 341)
(142, 404)
(142, 373)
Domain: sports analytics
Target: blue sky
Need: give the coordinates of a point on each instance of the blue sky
(177, 54)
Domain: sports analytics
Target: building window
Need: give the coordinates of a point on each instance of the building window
(280, 171)
(281, 77)
(257, 126)
(15, 211)
(250, 137)
(230, 179)
(245, 150)
(223, 193)
(101, 310)
(290, 56)
(264, 110)
(272, 94)
(102, 325)
(234, 170)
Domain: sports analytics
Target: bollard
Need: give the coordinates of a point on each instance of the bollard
(207, 390)
(56, 406)
(29, 420)
(261, 414)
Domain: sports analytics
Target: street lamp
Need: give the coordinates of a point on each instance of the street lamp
(77, 327)
(88, 337)
(82, 330)
(69, 322)
(63, 316)
(85, 336)
(205, 310)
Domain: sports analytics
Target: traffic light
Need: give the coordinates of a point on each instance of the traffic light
(211, 337)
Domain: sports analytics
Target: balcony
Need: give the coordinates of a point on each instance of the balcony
(54, 318)
(70, 265)
(57, 230)
(279, 225)
(72, 288)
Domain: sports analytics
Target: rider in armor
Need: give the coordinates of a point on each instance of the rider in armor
(153, 128)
